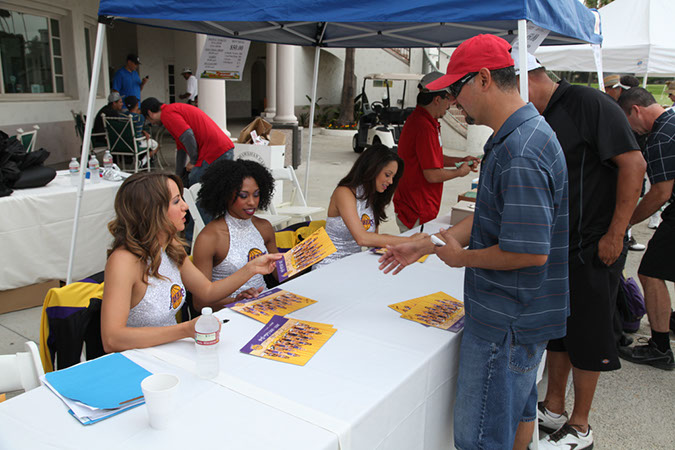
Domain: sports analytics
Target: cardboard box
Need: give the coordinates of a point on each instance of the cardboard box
(25, 297)
(262, 129)
(461, 210)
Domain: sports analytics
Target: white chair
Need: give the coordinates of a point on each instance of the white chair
(27, 138)
(190, 196)
(274, 219)
(297, 205)
(22, 370)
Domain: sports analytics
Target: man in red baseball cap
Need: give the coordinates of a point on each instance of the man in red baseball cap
(515, 287)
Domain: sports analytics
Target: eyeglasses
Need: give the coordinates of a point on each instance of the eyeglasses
(457, 86)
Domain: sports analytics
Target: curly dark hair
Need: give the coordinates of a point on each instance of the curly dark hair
(364, 172)
(223, 180)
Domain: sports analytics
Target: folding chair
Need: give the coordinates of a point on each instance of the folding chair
(27, 138)
(122, 141)
(297, 205)
(98, 140)
(21, 370)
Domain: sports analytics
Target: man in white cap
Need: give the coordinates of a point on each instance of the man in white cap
(605, 170)
(418, 197)
(192, 86)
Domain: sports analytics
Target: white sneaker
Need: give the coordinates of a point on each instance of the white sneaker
(567, 438)
(654, 221)
(547, 422)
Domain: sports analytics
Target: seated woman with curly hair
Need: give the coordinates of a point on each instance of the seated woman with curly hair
(232, 191)
(148, 270)
(357, 205)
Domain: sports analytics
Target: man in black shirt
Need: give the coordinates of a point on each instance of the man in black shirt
(605, 170)
(648, 117)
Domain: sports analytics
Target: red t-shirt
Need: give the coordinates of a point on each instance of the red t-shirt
(420, 148)
(212, 142)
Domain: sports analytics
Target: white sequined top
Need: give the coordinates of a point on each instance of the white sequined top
(162, 300)
(341, 236)
(246, 243)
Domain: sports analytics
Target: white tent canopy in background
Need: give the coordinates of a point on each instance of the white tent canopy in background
(638, 38)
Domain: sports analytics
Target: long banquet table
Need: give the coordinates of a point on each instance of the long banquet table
(381, 382)
(36, 227)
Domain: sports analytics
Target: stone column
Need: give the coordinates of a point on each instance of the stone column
(285, 85)
(212, 93)
(271, 86)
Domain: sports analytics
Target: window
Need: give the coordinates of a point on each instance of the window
(30, 54)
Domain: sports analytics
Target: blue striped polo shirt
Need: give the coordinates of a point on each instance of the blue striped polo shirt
(521, 206)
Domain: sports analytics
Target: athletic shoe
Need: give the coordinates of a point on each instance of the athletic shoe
(633, 245)
(547, 422)
(654, 221)
(567, 438)
(648, 354)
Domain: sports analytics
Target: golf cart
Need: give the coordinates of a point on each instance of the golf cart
(380, 122)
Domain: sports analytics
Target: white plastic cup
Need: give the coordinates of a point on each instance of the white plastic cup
(160, 391)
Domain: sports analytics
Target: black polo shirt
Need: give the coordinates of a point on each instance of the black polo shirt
(592, 129)
(660, 153)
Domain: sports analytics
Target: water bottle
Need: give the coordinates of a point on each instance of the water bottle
(207, 336)
(107, 160)
(74, 170)
(94, 169)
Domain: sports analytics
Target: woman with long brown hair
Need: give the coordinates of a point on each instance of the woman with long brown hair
(148, 270)
(357, 205)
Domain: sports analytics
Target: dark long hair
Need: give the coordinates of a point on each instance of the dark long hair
(364, 172)
(141, 205)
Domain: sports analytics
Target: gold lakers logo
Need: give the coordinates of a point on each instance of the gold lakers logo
(254, 253)
(366, 221)
(177, 295)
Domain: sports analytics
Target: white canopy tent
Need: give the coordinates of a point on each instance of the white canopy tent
(638, 38)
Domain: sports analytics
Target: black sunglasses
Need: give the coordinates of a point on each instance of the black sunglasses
(457, 86)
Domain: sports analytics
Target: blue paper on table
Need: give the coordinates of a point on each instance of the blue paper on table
(109, 382)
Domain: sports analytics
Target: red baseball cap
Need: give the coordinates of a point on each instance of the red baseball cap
(484, 50)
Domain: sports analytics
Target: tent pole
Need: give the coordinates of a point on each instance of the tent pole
(86, 142)
(644, 81)
(315, 77)
(522, 55)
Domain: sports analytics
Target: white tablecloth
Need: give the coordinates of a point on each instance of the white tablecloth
(381, 382)
(36, 226)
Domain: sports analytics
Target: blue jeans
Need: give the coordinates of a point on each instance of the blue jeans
(496, 389)
(195, 176)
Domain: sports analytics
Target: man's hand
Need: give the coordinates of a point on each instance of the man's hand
(189, 167)
(476, 161)
(401, 255)
(464, 169)
(451, 252)
(609, 248)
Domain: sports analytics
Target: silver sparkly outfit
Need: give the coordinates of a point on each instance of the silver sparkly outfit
(339, 233)
(246, 243)
(162, 300)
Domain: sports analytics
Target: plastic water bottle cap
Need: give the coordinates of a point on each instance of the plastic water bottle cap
(206, 311)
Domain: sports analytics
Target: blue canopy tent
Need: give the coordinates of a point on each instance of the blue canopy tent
(325, 23)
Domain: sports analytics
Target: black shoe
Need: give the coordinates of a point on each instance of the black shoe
(648, 354)
(625, 340)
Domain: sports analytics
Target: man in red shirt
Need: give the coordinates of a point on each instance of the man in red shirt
(418, 197)
(197, 136)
